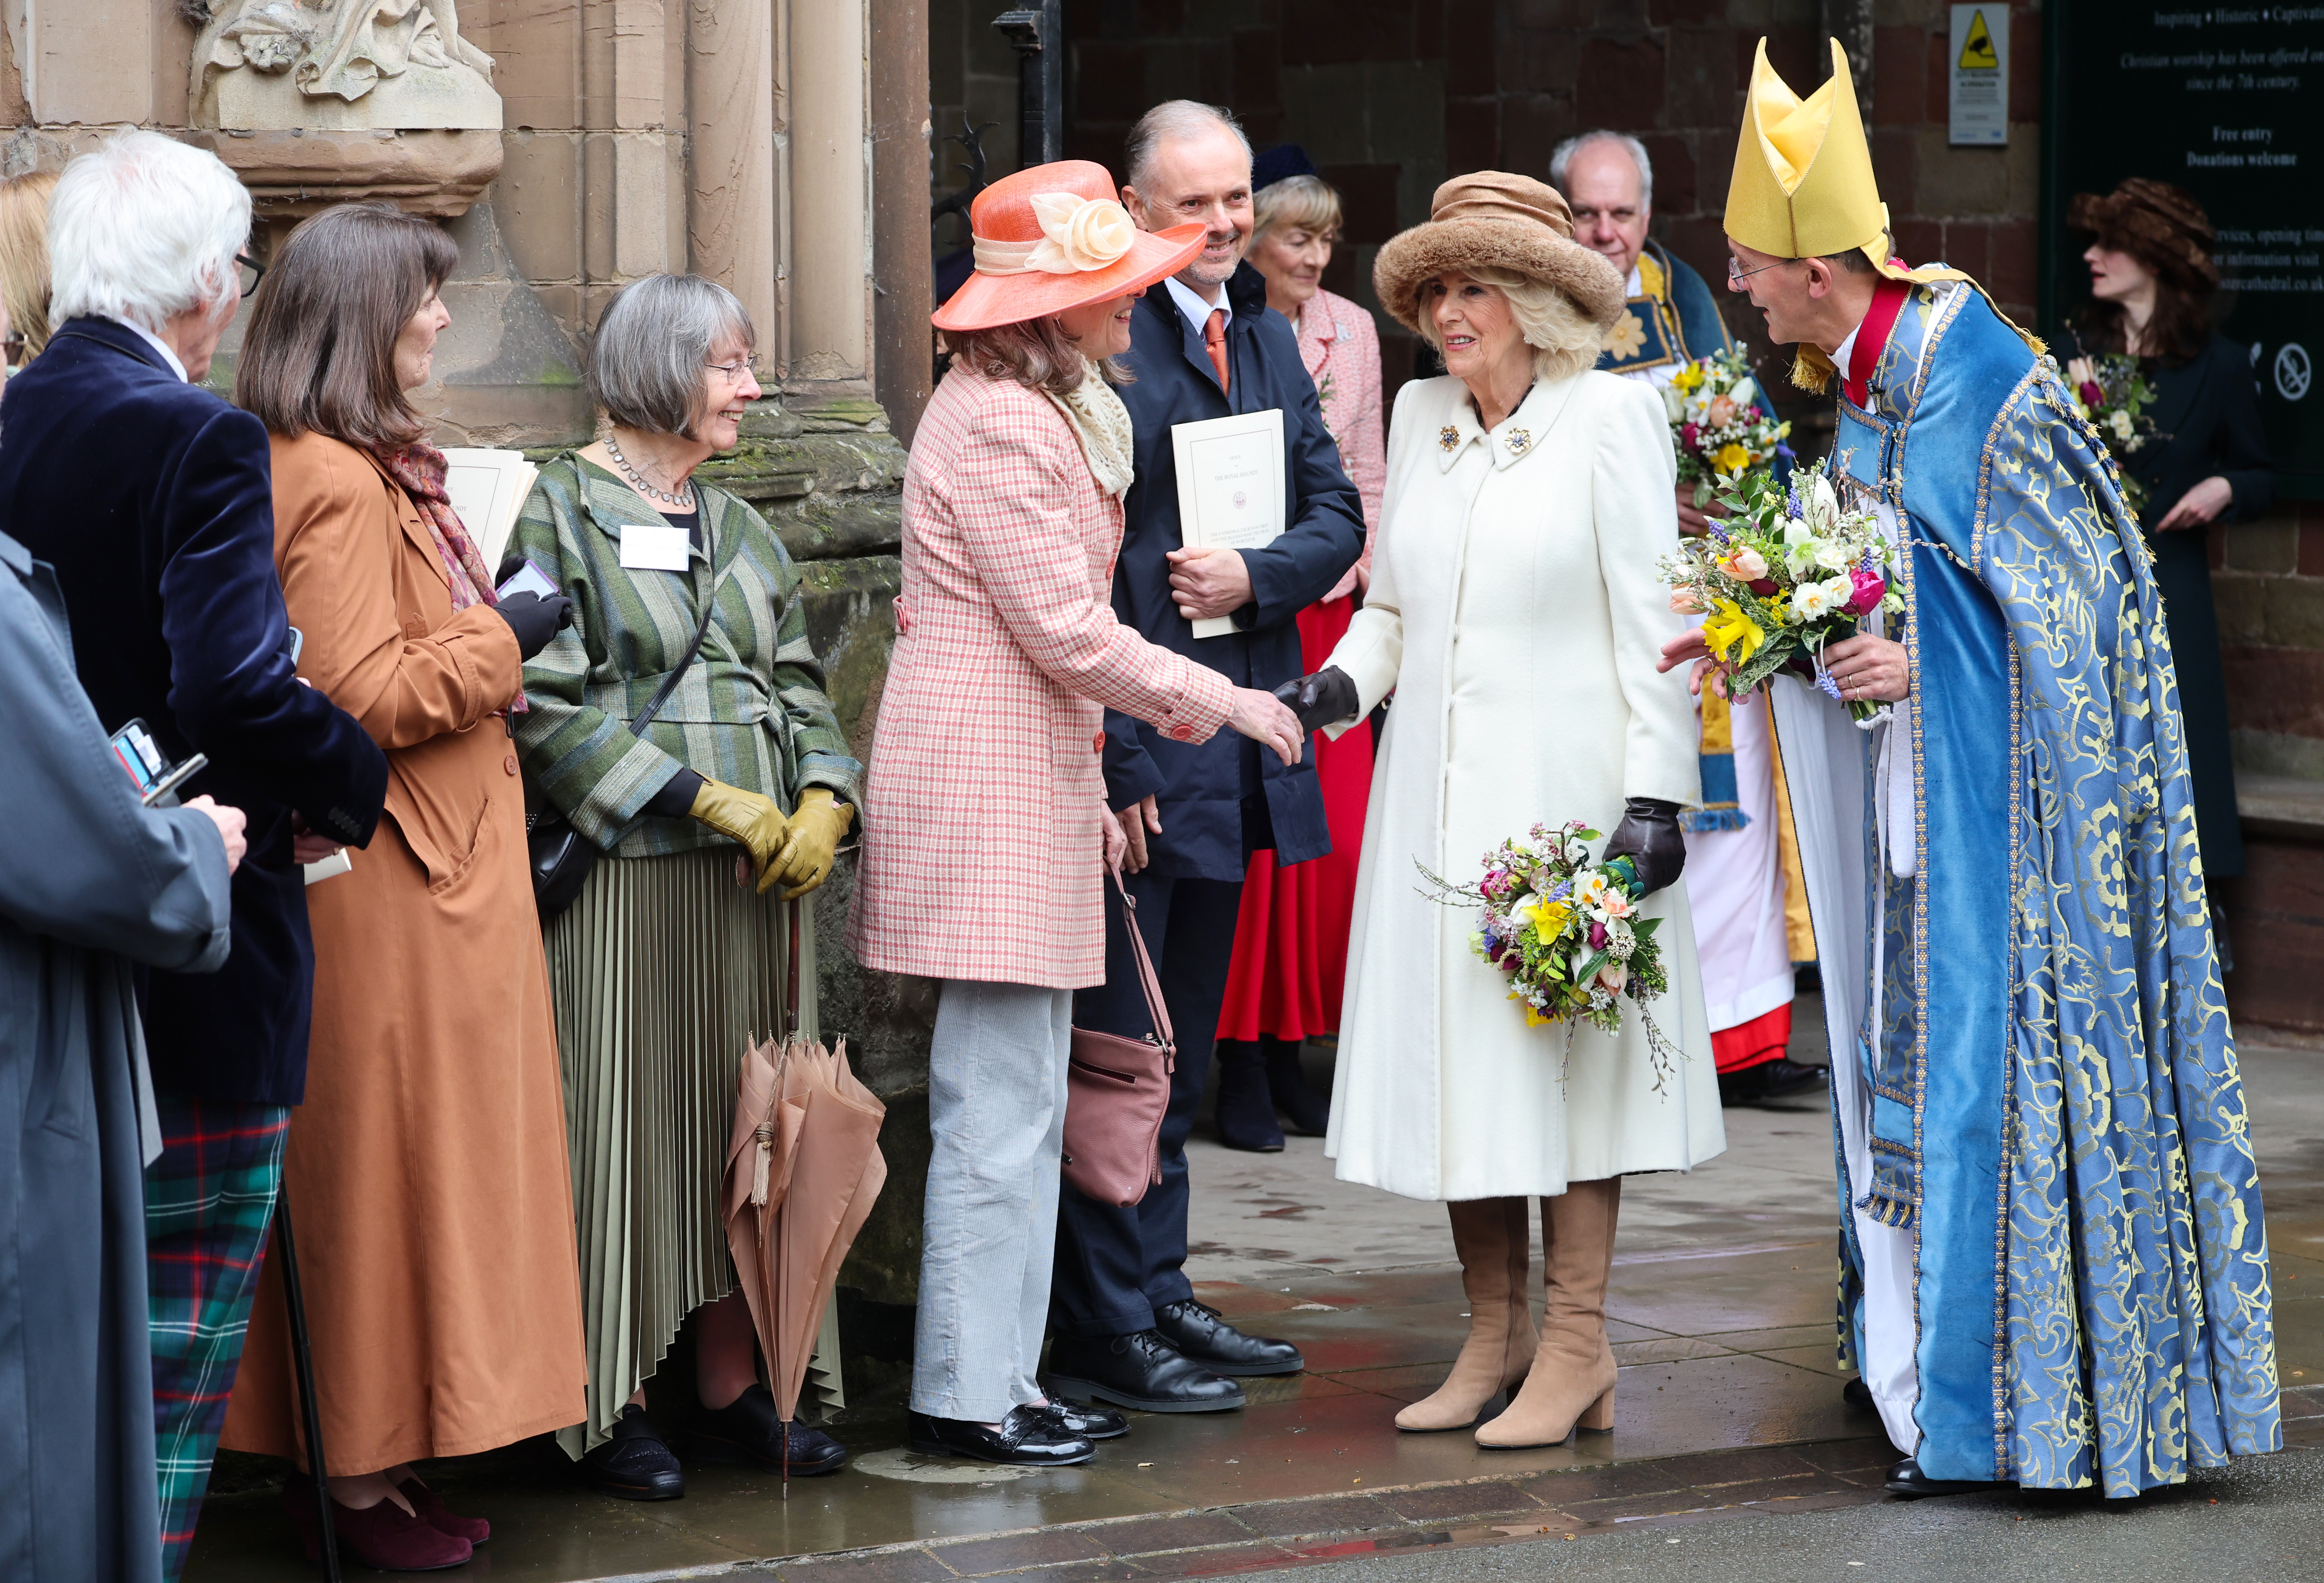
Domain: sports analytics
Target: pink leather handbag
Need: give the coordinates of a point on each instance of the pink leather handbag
(1116, 1091)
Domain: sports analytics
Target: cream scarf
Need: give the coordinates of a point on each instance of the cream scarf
(1102, 423)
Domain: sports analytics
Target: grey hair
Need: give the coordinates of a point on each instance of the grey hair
(1168, 122)
(1564, 157)
(142, 229)
(646, 362)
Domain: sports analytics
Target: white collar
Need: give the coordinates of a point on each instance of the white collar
(1197, 311)
(158, 345)
(1636, 285)
(1846, 349)
(1508, 443)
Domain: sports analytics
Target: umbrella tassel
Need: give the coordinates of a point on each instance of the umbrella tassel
(762, 1158)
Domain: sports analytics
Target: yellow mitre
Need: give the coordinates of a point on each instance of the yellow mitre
(1803, 185)
(1803, 188)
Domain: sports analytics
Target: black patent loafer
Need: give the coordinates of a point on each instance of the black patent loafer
(1141, 1370)
(635, 1465)
(1028, 1438)
(1197, 1330)
(749, 1430)
(1907, 1480)
(1858, 1395)
(1091, 1423)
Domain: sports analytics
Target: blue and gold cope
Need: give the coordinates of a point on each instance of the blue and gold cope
(1673, 320)
(2057, 1116)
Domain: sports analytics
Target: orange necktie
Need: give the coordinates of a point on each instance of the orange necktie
(1215, 342)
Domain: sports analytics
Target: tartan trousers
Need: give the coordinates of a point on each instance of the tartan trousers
(209, 1199)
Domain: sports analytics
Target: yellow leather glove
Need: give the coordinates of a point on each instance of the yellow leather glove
(747, 817)
(817, 826)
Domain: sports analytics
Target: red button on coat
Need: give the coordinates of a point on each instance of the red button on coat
(1098, 746)
(1182, 731)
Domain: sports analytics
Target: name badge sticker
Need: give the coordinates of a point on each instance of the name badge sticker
(654, 548)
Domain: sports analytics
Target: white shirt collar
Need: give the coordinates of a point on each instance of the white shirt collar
(1846, 351)
(1197, 311)
(158, 345)
(1636, 285)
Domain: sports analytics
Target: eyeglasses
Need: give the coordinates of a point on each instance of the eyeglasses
(1737, 274)
(740, 367)
(250, 269)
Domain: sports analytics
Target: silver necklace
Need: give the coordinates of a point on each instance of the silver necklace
(684, 502)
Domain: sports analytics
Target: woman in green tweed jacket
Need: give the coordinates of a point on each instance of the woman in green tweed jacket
(669, 961)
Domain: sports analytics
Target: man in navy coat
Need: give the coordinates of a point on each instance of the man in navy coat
(1127, 1327)
(153, 499)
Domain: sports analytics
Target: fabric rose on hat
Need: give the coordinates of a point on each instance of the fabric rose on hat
(1078, 233)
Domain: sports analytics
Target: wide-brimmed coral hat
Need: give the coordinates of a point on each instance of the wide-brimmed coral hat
(2160, 225)
(1493, 220)
(1055, 237)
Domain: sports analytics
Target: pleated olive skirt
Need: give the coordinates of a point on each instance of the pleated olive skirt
(662, 972)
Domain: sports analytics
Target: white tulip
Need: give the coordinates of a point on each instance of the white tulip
(1820, 506)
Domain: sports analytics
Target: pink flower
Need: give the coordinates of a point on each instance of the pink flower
(1617, 905)
(1690, 434)
(1744, 565)
(1597, 936)
(1869, 589)
(1614, 975)
(1722, 411)
(1764, 587)
(2091, 395)
(1683, 603)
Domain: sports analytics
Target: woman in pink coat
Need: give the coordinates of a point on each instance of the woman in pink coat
(984, 840)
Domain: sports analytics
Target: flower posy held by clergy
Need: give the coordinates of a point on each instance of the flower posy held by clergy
(2055, 1262)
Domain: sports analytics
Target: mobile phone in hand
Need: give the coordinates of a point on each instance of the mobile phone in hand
(528, 578)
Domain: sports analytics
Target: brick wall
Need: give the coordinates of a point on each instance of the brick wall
(1390, 96)
(2267, 581)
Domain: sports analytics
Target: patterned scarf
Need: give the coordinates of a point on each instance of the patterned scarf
(1102, 423)
(420, 468)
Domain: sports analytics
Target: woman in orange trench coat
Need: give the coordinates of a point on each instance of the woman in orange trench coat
(426, 1168)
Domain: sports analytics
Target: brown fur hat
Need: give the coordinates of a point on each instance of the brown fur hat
(1493, 220)
(2159, 225)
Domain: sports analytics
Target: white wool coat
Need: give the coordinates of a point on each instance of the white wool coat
(1517, 611)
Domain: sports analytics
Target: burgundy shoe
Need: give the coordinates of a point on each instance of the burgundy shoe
(384, 1537)
(433, 1512)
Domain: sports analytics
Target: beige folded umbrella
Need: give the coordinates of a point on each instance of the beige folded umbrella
(803, 1170)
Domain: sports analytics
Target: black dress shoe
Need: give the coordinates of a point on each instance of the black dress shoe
(1028, 1437)
(1856, 1394)
(1245, 1109)
(1140, 1370)
(1197, 1330)
(634, 1464)
(1787, 1076)
(1091, 1423)
(749, 1430)
(1906, 1479)
(1309, 1113)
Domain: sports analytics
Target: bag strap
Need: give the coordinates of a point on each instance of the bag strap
(702, 630)
(1147, 980)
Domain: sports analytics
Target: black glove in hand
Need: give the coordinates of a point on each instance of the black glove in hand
(1649, 836)
(534, 620)
(1325, 698)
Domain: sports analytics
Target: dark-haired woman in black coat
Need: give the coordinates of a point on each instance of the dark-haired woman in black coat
(2151, 280)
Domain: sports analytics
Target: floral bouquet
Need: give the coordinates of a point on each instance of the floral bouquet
(1567, 933)
(1785, 574)
(1719, 426)
(2113, 394)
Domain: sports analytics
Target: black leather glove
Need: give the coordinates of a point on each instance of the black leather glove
(1649, 836)
(1325, 698)
(534, 620)
(510, 565)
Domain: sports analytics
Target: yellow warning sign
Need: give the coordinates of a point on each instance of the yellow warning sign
(1977, 51)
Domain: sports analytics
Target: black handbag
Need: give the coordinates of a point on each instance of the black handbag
(561, 856)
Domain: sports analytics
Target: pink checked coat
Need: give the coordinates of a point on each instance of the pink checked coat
(982, 855)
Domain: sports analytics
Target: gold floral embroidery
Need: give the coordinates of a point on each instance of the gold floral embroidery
(1626, 337)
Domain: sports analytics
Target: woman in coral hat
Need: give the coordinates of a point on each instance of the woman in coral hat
(985, 833)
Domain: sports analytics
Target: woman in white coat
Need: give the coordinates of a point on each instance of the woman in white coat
(1517, 611)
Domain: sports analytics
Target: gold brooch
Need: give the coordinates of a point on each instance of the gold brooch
(1448, 437)
(1517, 440)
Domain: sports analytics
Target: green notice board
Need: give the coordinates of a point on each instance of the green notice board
(2228, 103)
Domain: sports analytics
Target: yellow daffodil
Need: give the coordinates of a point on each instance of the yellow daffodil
(1689, 377)
(1548, 918)
(1730, 458)
(1734, 637)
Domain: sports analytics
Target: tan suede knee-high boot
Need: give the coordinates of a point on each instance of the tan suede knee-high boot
(1572, 1383)
(1495, 1239)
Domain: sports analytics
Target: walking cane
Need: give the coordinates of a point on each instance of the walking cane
(302, 1356)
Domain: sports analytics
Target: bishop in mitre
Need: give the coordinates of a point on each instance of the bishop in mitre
(2054, 1267)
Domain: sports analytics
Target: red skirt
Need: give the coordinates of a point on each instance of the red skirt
(1290, 961)
(1754, 1043)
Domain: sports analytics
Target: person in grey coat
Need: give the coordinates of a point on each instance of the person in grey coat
(91, 885)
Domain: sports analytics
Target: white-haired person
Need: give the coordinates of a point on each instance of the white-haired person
(151, 499)
(1516, 613)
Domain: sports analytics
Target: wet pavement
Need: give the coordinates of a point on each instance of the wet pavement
(1729, 1410)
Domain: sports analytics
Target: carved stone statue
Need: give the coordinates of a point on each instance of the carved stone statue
(339, 66)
